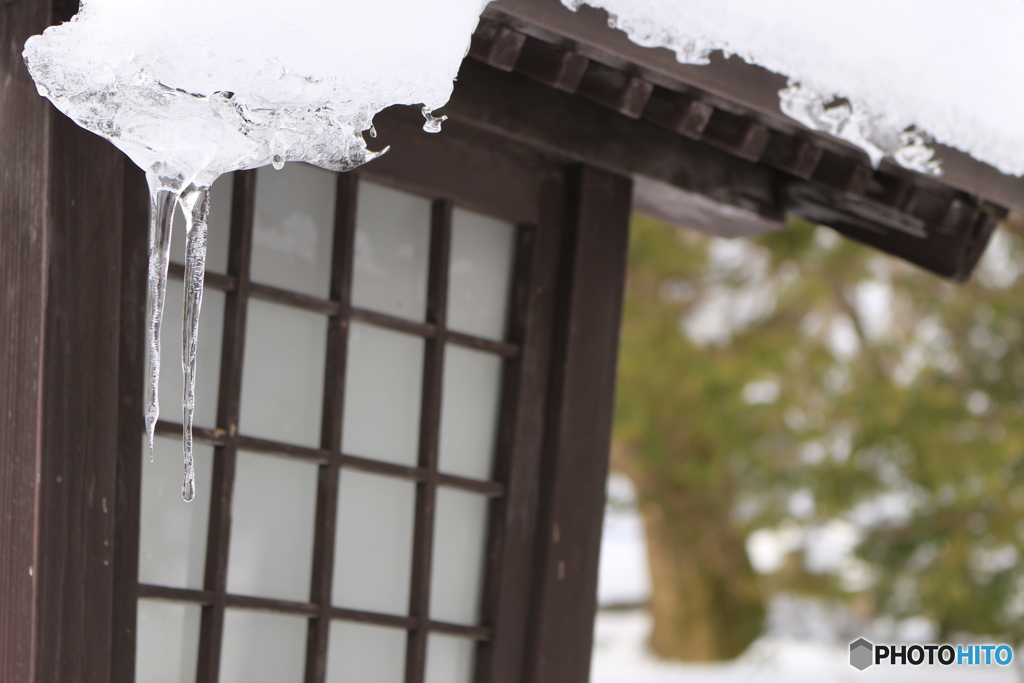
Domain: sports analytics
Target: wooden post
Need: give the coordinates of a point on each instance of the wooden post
(24, 141)
(578, 439)
(61, 215)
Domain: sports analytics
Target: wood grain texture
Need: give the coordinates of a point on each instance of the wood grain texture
(513, 521)
(24, 141)
(80, 407)
(579, 129)
(579, 419)
(131, 374)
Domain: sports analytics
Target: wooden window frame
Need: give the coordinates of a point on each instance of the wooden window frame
(227, 439)
(74, 251)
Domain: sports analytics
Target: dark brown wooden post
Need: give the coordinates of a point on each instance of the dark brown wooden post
(131, 378)
(61, 215)
(581, 403)
(80, 384)
(24, 140)
(514, 517)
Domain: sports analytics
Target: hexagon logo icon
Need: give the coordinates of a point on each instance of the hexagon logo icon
(860, 654)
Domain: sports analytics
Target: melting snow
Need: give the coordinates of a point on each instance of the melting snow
(200, 88)
(194, 89)
(904, 71)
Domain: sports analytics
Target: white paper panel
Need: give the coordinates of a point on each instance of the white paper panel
(172, 533)
(283, 374)
(456, 578)
(392, 243)
(382, 394)
(273, 509)
(480, 275)
(469, 412)
(373, 550)
(360, 653)
(262, 648)
(293, 228)
(449, 659)
(167, 644)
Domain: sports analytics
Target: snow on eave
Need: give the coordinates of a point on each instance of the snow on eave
(913, 71)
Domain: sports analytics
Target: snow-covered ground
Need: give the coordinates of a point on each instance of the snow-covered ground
(621, 656)
(804, 641)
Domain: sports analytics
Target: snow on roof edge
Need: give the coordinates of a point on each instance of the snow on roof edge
(932, 73)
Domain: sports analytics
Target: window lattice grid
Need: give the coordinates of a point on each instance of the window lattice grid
(238, 289)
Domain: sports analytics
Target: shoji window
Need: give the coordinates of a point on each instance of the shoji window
(355, 371)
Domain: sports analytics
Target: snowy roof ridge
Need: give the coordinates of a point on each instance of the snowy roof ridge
(909, 81)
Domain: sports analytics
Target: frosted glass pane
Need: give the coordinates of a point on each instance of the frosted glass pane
(449, 659)
(262, 648)
(211, 327)
(172, 533)
(167, 645)
(460, 526)
(272, 527)
(392, 244)
(480, 275)
(283, 374)
(293, 227)
(382, 394)
(359, 653)
(373, 549)
(469, 412)
(219, 233)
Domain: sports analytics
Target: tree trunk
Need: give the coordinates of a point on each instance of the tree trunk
(706, 601)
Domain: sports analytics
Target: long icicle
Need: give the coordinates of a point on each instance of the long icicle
(195, 203)
(161, 216)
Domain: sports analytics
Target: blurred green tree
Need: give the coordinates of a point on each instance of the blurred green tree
(802, 383)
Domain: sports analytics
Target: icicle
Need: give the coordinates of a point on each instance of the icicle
(161, 216)
(432, 124)
(195, 203)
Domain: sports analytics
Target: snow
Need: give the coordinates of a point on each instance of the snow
(909, 71)
(805, 640)
(621, 656)
(623, 574)
(196, 89)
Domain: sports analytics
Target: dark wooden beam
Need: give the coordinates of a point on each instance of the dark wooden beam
(730, 83)
(618, 90)
(24, 141)
(552, 65)
(678, 112)
(574, 128)
(497, 46)
(794, 155)
(80, 400)
(513, 521)
(944, 237)
(738, 135)
(131, 374)
(634, 87)
(578, 440)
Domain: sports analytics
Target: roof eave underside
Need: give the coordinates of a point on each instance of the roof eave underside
(731, 85)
